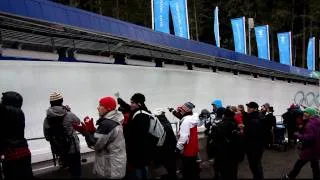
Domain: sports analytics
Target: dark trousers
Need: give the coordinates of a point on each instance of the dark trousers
(190, 169)
(170, 165)
(300, 163)
(291, 137)
(137, 173)
(18, 169)
(74, 163)
(226, 166)
(254, 156)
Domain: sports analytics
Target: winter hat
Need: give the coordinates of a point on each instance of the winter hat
(217, 102)
(252, 105)
(55, 96)
(187, 107)
(311, 111)
(294, 106)
(138, 98)
(12, 98)
(266, 105)
(109, 103)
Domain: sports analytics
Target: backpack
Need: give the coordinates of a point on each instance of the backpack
(59, 139)
(156, 129)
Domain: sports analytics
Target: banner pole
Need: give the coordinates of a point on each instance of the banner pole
(152, 15)
(249, 35)
(187, 17)
(268, 42)
(314, 53)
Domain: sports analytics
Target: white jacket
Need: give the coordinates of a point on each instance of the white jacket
(187, 123)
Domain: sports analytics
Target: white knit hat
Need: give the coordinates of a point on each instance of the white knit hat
(55, 96)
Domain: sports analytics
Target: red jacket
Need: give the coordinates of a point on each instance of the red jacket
(192, 147)
(239, 118)
(188, 136)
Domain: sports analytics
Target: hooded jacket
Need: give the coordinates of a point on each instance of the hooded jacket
(12, 141)
(109, 145)
(69, 118)
(310, 137)
(188, 135)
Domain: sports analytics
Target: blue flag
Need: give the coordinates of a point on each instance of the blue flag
(262, 38)
(161, 15)
(311, 54)
(180, 18)
(239, 35)
(284, 44)
(216, 27)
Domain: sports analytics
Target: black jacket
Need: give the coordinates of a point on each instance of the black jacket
(270, 121)
(137, 139)
(12, 124)
(254, 130)
(124, 107)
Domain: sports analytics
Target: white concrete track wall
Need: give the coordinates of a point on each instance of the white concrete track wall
(29, 54)
(82, 84)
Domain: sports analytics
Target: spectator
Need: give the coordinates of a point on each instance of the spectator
(254, 139)
(227, 158)
(310, 137)
(138, 144)
(216, 104)
(264, 108)
(14, 152)
(124, 108)
(188, 143)
(166, 153)
(270, 125)
(212, 145)
(240, 113)
(290, 121)
(58, 130)
(107, 140)
(233, 109)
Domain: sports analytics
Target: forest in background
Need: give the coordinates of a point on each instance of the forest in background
(301, 17)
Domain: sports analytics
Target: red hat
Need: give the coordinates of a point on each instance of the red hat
(109, 103)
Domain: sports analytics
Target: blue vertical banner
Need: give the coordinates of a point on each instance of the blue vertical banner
(179, 14)
(263, 44)
(160, 11)
(311, 54)
(284, 44)
(216, 27)
(239, 34)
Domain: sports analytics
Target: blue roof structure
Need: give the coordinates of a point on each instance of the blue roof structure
(51, 12)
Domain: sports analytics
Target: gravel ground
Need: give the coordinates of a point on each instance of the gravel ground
(275, 164)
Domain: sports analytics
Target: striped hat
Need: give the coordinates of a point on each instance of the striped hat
(186, 107)
(55, 96)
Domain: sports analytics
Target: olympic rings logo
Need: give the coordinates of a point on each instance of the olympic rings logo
(308, 99)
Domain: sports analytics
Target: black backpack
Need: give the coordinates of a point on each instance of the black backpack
(58, 137)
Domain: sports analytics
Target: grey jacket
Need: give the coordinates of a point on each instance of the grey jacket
(69, 117)
(109, 145)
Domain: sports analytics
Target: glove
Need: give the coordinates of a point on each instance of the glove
(81, 128)
(117, 94)
(170, 109)
(178, 152)
(67, 107)
(89, 125)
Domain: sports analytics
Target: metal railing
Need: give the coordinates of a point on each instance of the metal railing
(41, 138)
